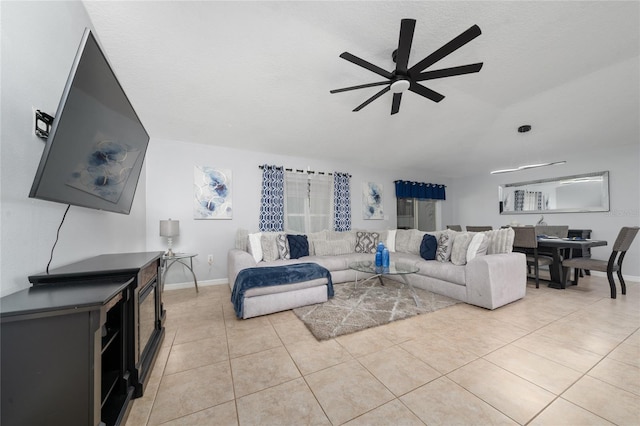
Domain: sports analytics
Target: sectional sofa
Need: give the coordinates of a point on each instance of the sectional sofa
(476, 268)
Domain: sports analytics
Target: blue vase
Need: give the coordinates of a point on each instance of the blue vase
(385, 258)
(378, 258)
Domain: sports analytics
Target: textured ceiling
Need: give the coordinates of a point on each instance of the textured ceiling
(257, 75)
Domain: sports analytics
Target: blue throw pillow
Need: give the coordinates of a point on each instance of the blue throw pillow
(298, 246)
(428, 247)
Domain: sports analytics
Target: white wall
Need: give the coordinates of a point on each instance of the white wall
(476, 200)
(39, 42)
(170, 195)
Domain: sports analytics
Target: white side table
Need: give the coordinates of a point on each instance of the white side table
(168, 261)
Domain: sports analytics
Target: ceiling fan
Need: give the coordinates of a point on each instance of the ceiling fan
(404, 78)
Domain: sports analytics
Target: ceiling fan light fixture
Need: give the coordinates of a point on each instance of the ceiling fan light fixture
(400, 86)
(527, 167)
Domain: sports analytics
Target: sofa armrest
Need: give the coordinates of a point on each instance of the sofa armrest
(496, 279)
(237, 260)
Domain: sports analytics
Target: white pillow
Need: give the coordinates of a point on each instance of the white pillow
(255, 246)
(477, 246)
(391, 240)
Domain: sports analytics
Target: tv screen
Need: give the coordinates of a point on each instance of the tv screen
(95, 149)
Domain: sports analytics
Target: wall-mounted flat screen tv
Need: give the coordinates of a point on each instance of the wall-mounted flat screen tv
(95, 148)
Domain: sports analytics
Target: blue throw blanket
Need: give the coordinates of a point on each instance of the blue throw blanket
(275, 275)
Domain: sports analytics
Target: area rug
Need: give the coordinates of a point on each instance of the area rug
(367, 304)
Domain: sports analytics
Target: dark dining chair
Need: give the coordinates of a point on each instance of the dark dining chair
(455, 228)
(479, 228)
(526, 241)
(620, 247)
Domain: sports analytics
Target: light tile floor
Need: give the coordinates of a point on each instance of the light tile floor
(557, 357)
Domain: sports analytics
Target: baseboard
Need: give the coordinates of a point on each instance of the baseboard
(189, 284)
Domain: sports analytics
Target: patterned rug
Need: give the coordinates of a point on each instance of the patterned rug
(367, 305)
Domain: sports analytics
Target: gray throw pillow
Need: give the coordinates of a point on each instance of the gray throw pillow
(500, 240)
(460, 247)
(269, 246)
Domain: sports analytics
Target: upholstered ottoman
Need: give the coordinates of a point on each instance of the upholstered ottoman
(261, 291)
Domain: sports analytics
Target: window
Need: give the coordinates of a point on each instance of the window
(413, 213)
(308, 202)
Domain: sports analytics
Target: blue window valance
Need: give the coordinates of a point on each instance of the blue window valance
(420, 190)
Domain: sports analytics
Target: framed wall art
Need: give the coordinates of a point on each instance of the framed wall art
(372, 201)
(212, 193)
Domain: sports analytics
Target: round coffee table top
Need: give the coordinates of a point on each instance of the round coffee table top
(395, 268)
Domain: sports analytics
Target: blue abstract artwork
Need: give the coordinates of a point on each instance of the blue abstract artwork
(212, 193)
(105, 170)
(372, 201)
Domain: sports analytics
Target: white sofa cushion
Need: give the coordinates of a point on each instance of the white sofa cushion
(445, 271)
(332, 247)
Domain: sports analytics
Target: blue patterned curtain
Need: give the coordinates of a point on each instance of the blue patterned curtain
(341, 201)
(420, 190)
(272, 200)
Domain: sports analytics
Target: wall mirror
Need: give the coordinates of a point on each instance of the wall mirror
(568, 194)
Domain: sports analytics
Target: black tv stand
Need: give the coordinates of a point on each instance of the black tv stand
(79, 345)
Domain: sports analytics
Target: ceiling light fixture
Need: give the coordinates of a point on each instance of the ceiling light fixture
(400, 86)
(527, 167)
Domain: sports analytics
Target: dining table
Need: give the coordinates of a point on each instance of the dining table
(562, 248)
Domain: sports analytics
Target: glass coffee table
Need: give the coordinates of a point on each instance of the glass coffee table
(395, 268)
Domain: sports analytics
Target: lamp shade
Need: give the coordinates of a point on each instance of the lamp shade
(169, 228)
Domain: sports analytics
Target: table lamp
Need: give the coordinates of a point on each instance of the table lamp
(169, 228)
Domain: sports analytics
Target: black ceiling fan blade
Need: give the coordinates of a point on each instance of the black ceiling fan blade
(404, 45)
(373, 98)
(366, 65)
(447, 49)
(362, 86)
(448, 72)
(395, 106)
(427, 93)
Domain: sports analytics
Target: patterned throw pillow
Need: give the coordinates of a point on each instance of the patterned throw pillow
(283, 246)
(298, 246)
(366, 242)
(445, 242)
(428, 247)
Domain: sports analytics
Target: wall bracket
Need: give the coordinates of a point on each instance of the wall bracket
(43, 124)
